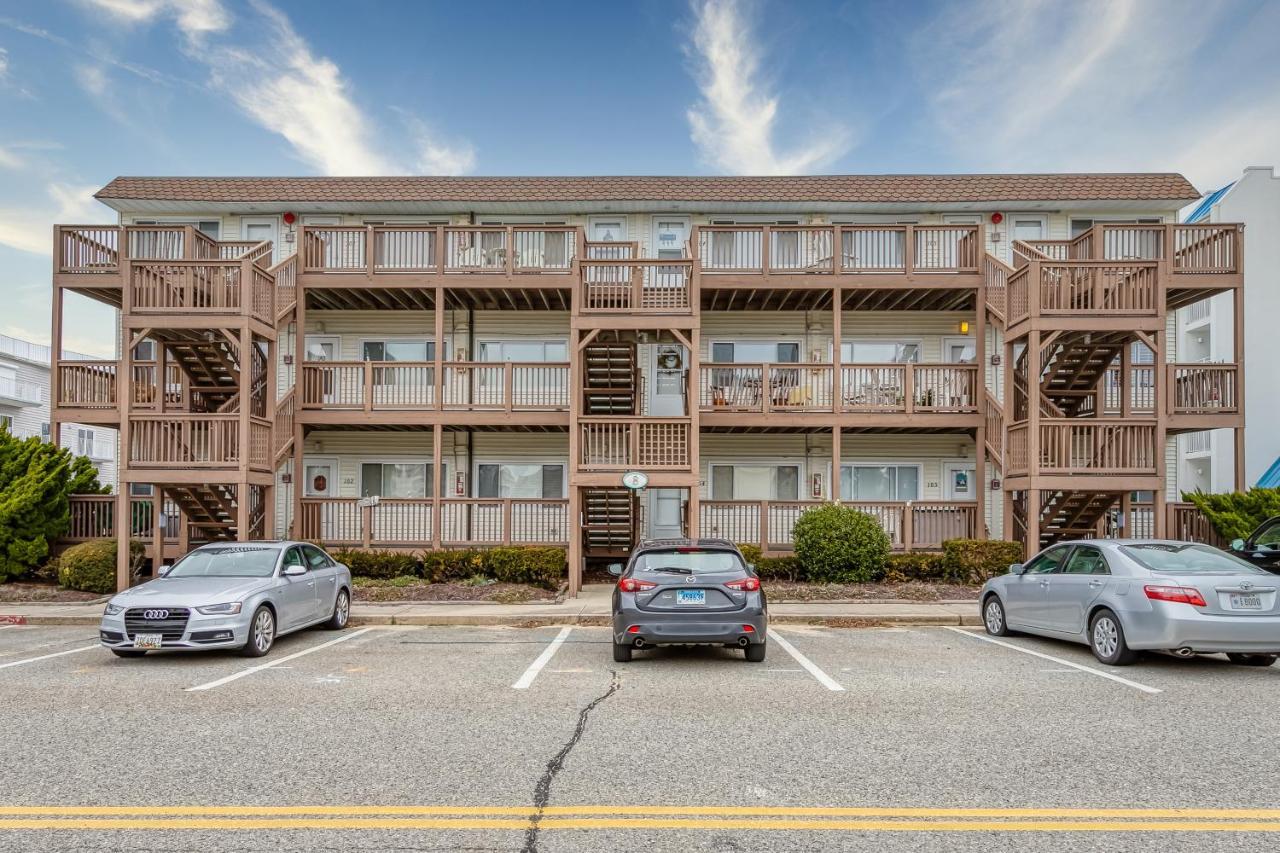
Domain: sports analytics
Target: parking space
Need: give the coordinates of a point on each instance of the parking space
(474, 717)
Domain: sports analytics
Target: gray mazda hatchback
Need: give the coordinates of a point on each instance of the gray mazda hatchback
(688, 592)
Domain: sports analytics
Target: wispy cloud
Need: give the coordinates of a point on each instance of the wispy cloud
(275, 78)
(734, 124)
(26, 227)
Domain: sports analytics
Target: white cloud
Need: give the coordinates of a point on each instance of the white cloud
(734, 123)
(28, 227)
(10, 160)
(4, 64)
(194, 17)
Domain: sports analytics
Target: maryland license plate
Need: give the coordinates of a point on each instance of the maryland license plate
(691, 596)
(147, 641)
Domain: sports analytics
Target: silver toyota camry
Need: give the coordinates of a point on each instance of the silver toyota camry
(239, 595)
(1121, 597)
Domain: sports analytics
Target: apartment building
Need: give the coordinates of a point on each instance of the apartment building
(24, 406)
(1206, 332)
(427, 362)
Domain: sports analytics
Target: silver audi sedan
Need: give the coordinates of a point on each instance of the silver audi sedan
(239, 595)
(1122, 597)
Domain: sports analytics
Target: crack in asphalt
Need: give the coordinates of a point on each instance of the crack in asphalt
(542, 791)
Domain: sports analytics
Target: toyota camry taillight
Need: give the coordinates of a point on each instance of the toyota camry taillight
(745, 585)
(633, 585)
(1178, 594)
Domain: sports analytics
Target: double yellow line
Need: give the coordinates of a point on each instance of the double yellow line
(587, 817)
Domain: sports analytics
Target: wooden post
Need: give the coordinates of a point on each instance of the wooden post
(575, 556)
(1237, 308)
(837, 334)
(245, 418)
(124, 399)
(1126, 513)
(1032, 537)
(299, 460)
(979, 396)
(1126, 384)
(908, 526)
(692, 378)
(55, 351)
(157, 530)
(1161, 377)
(437, 482)
(439, 333)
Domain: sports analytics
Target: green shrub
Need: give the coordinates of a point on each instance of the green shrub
(543, 567)
(914, 566)
(1235, 515)
(780, 569)
(840, 544)
(974, 561)
(751, 553)
(442, 566)
(91, 566)
(35, 481)
(377, 563)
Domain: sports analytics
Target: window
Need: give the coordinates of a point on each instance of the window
(398, 351)
(1079, 226)
(292, 557)
(1087, 561)
(211, 227)
(84, 442)
(6, 421)
(749, 352)
(880, 352)
(140, 490)
(1268, 537)
(396, 479)
(145, 351)
(537, 351)
(879, 482)
(1048, 562)
(44, 431)
(495, 480)
(755, 482)
(316, 558)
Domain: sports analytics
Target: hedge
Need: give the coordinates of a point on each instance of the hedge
(974, 561)
(1235, 515)
(382, 565)
(545, 567)
(840, 544)
(772, 568)
(914, 566)
(91, 566)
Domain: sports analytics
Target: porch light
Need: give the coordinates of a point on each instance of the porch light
(964, 327)
(995, 484)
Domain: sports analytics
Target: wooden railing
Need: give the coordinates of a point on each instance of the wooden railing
(1096, 287)
(995, 276)
(637, 286)
(993, 413)
(282, 426)
(766, 388)
(204, 440)
(1189, 249)
(87, 384)
(468, 386)
(455, 249)
(843, 249)
(93, 517)
(807, 387)
(285, 275)
(1141, 388)
(1203, 388)
(1109, 446)
(88, 249)
(1185, 521)
(406, 522)
(620, 443)
(911, 525)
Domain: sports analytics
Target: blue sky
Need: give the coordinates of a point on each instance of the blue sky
(90, 89)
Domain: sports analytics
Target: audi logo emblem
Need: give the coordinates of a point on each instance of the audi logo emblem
(155, 614)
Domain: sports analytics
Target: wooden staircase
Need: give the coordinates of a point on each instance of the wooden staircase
(1073, 515)
(609, 522)
(209, 509)
(1076, 366)
(611, 380)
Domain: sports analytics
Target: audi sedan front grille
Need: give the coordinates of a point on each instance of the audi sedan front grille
(169, 622)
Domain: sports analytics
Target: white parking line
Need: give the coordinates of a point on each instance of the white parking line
(46, 657)
(7, 627)
(543, 659)
(1107, 675)
(823, 679)
(260, 667)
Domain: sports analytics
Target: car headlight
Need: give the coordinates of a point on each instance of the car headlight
(229, 609)
(113, 609)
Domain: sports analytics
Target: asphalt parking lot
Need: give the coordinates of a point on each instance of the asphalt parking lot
(445, 738)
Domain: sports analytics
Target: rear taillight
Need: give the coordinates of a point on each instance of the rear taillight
(633, 585)
(745, 585)
(1178, 594)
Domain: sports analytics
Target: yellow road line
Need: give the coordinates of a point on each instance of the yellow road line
(642, 810)
(375, 823)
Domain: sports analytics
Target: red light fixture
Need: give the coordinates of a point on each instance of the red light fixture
(997, 218)
(1176, 594)
(289, 218)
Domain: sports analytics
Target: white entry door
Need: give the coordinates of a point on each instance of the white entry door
(1026, 228)
(259, 228)
(668, 366)
(320, 481)
(324, 348)
(664, 513)
(958, 483)
(670, 233)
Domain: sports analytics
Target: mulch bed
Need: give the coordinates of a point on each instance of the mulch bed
(909, 591)
(26, 592)
(500, 593)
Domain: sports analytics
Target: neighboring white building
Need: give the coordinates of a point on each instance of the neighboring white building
(1206, 333)
(24, 406)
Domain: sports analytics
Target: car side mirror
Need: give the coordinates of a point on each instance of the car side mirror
(1017, 568)
(615, 569)
(751, 567)
(294, 571)
(1237, 544)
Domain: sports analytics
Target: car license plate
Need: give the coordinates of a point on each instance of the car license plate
(147, 641)
(691, 596)
(1246, 602)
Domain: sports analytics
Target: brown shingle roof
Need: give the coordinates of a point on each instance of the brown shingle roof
(816, 188)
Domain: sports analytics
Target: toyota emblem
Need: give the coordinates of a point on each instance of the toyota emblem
(1246, 585)
(155, 614)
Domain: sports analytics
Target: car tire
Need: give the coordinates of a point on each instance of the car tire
(127, 653)
(262, 633)
(341, 611)
(621, 653)
(994, 618)
(1106, 640)
(755, 652)
(1251, 660)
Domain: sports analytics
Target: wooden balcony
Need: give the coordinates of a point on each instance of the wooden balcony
(640, 287)
(810, 388)
(616, 444)
(409, 523)
(331, 388)
(1203, 396)
(1096, 295)
(1124, 451)
(205, 441)
(911, 525)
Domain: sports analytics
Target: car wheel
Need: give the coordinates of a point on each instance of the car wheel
(1106, 639)
(127, 653)
(993, 617)
(755, 652)
(262, 633)
(341, 611)
(621, 653)
(1251, 660)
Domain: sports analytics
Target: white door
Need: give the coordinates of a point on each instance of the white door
(670, 233)
(324, 348)
(958, 350)
(958, 483)
(320, 481)
(668, 365)
(664, 514)
(1026, 228)
(608, 229)
(259, 228)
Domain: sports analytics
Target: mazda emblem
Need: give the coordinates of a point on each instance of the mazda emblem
(155, 614)
(690, 579)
